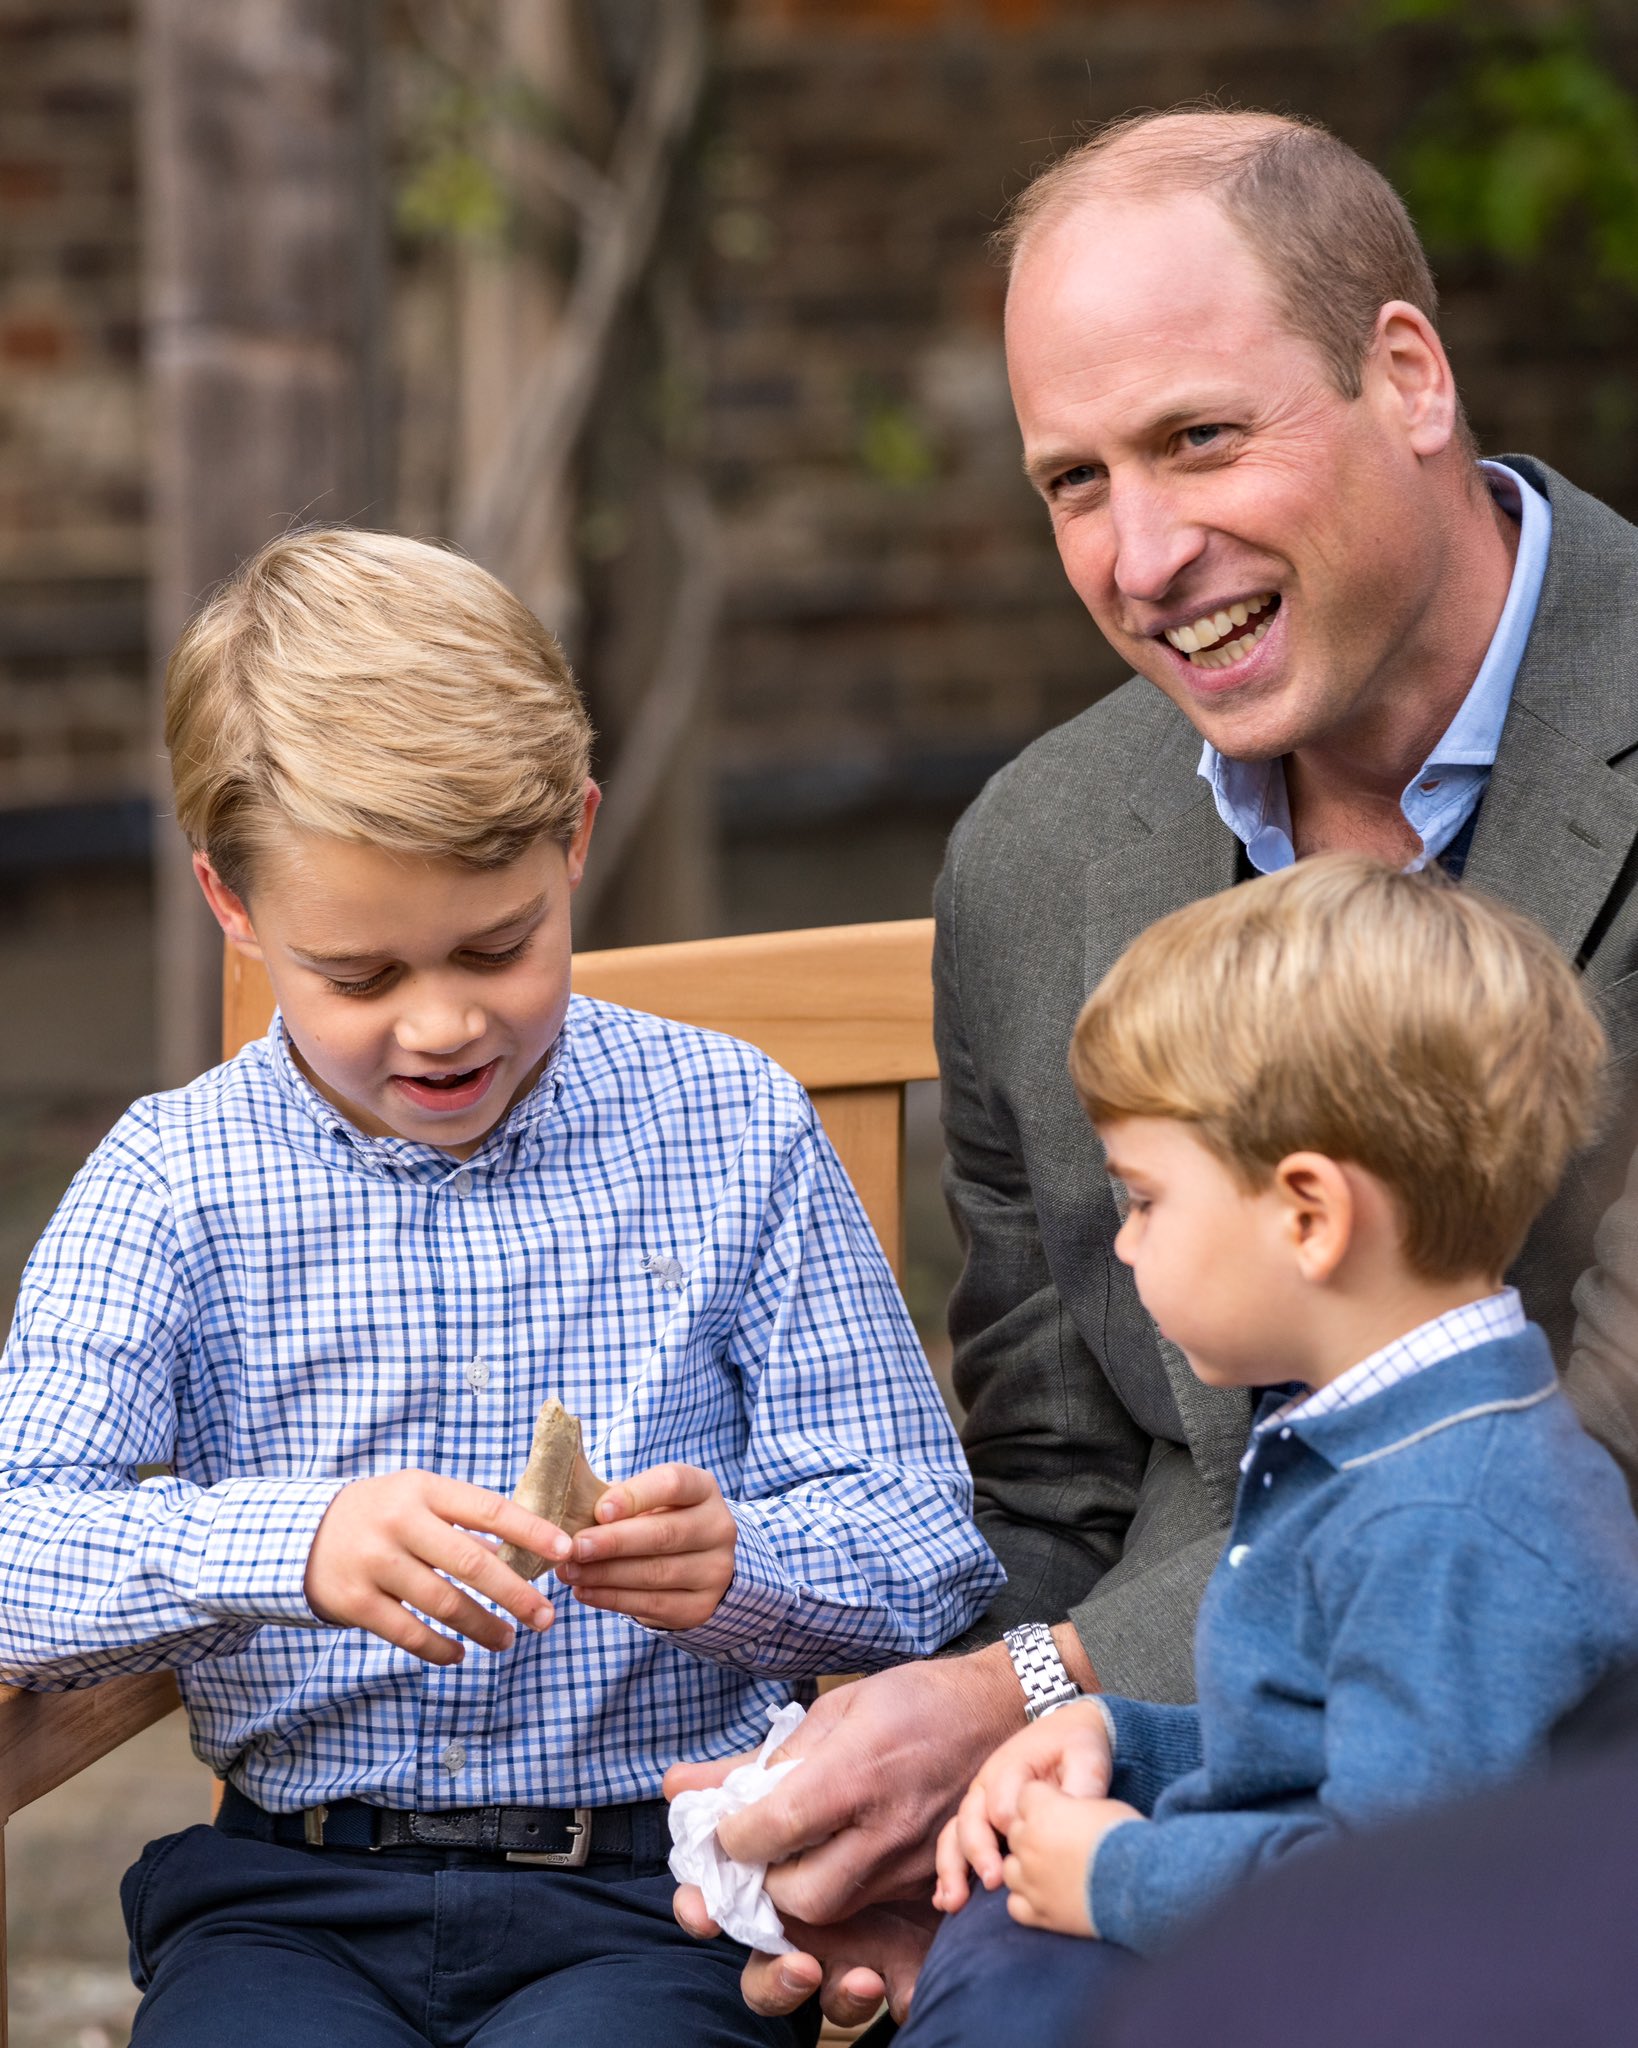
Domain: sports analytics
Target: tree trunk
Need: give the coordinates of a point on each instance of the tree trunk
(265, 276)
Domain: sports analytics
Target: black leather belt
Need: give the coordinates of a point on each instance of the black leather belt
(554, 1837)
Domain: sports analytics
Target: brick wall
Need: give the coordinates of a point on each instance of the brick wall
(897, 621)
(72, 663)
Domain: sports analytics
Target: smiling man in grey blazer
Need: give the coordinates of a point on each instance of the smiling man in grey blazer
(1345, 631)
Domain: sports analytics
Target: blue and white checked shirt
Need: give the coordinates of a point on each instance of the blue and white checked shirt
(241, 1286)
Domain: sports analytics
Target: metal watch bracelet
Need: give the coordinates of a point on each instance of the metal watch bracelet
(1047, 1685)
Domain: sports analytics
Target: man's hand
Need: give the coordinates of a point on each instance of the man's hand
(1068, 1750)
(1051, 1844)
(664, 1550)
(853, 1966)
(886, 1760)
(385, 1545)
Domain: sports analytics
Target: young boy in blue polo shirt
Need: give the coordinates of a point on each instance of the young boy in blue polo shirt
(329, 1285)
(1335, 1099)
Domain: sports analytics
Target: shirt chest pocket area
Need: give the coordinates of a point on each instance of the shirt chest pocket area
(637, 1352)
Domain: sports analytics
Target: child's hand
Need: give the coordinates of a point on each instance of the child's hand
(1068, 1749)
(385, 1544)
(664, 1550)
(1050, 1847)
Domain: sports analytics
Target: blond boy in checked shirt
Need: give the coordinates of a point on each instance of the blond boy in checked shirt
(329, 1284)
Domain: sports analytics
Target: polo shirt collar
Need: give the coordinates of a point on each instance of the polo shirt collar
(1508, 1373)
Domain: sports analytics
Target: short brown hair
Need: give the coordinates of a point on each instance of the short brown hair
(373, 688)
(1330, 232)
(1423, 1032)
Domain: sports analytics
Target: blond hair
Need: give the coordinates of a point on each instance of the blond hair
(1329, 231)
(372, 688)
(1433, 1037)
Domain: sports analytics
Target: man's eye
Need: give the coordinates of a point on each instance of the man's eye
(1073, 479)
(1202, 437)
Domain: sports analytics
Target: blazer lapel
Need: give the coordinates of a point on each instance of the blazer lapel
(1555, 830)
(1558, 822)
(1187, 853)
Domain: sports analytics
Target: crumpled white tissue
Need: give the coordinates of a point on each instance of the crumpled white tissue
(734, 1896)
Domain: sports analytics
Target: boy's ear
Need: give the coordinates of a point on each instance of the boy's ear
(1317, 1212)
(227, 909)
(575, 851)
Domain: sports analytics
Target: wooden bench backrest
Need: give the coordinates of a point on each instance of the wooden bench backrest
(847, 1009)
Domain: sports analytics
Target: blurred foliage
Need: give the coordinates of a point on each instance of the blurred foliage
(449, 189)
(893, 445)
(1530, 151)
(466, 122)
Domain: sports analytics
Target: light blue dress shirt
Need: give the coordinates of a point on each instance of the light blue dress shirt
(1445, 791)
(241, 1286)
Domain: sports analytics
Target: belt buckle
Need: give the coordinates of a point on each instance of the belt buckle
(561, 1859)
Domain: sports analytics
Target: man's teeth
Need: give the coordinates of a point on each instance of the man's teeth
(1205, 641)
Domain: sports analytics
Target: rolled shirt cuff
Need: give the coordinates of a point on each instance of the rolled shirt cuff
(750, 1619)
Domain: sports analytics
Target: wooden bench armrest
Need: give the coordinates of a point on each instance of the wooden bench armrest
(48, 1737)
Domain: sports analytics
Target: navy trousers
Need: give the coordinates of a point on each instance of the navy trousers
(246, 1944)
(988, 1981)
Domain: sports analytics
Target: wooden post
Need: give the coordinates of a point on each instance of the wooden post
(264, 258)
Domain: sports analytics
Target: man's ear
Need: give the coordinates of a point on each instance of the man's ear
(576, 850)
(1415, 377)
(227, 909)
(1316, 1212)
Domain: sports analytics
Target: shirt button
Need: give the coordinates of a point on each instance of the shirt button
(462, 1182)
(454, 1758)
(1268, 1478)
(1239, 1554)
(1285, 1436)
(477, 1374)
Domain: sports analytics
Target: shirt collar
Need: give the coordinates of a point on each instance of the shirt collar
(1430, 1343)
(517, 1133)
(1497, 1374)
(1251, 795)
(1474, 734)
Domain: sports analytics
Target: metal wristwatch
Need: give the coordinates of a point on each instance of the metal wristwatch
(1047, 1685)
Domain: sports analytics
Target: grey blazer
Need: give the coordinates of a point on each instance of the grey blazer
(1105, 1472)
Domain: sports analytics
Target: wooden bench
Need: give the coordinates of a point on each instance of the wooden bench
(847, 1009)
